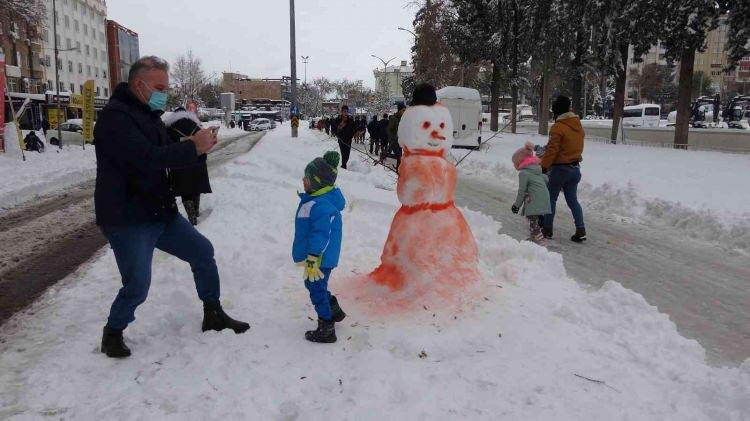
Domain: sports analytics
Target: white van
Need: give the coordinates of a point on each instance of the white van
(643, 115)
(465, 106)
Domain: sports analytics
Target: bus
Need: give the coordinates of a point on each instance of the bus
(642, 115)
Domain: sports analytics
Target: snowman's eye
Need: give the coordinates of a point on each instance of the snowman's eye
(426, 125)
(442, 125)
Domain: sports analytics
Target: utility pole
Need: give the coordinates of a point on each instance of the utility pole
(293, 58)
(305, 59)
(57, 74)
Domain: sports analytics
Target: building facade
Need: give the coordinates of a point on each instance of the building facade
(123, 51)
(391, 79)
(21, 42)
(248, 89)
(82, 45)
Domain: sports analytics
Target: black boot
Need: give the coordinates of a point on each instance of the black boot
(579, 236)
(113, 345)
(325, 333)
(337, 314)
(214, 318)
(547, 232)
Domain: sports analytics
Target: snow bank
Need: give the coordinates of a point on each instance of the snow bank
(513, 353)
(700, 193)
(56, 169)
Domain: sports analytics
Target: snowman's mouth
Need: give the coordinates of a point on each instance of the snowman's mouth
(434, 144)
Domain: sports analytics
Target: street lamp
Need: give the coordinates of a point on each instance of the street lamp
(404, 29)
(305, 59)
(386, 88)
(57, 71)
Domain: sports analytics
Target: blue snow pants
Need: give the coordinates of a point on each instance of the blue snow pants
(319, 295)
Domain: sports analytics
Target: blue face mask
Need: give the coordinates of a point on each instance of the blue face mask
(158, 100)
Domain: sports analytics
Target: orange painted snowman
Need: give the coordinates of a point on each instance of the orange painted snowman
(430, 247)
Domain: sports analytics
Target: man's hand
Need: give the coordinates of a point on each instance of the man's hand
(204, 140)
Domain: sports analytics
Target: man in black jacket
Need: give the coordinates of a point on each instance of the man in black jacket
(135, 204)
(345, 132)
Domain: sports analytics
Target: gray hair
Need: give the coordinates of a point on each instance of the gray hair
(145, 64)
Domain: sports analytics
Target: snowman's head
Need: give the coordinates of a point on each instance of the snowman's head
(426, 128)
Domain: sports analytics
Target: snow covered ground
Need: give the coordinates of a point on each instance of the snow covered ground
(703, 194)
(521, 346)
(54, 170)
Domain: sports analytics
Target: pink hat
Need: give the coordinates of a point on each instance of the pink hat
(524, 157)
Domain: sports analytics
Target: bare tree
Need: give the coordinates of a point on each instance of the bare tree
(188, 76)
(31, 12)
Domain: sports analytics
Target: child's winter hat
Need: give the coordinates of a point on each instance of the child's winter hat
(322, 172)
(523, 154)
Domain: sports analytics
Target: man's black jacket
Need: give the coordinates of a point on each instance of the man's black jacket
(133, 153)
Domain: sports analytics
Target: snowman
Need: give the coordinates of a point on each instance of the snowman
(430, 247)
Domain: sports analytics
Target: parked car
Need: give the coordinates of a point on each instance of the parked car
(72, 133)
(642, 115)
(273, 124)
(465, 107)
(260, 124)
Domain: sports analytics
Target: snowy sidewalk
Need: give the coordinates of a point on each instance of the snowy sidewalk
(514, 353)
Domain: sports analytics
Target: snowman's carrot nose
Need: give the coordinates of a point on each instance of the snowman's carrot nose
(436, 135)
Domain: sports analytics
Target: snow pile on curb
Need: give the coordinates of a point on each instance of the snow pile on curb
(515, 353)
(55, 169)
(647, 184)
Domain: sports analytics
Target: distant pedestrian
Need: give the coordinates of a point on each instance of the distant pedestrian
(345, 133)
(394, 149)
(45, 127)
(562, 162)
(191, 181)
(372, 129)
(327, 122)
(383, 134)
(135, 205)
(533, 194)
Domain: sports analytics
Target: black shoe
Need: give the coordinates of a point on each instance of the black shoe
(547, 232)
(337, 314)
(325, 333)
(579, 236)
(113, 345)
(214, 318)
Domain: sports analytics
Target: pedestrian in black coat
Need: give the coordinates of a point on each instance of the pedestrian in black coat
(191, 181)
(345, 128)
(372, 128)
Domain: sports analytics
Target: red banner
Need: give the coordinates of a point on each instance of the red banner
(2, 108)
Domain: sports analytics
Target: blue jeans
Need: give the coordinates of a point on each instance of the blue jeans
(134, 246)
(565, 178)
(319, 295)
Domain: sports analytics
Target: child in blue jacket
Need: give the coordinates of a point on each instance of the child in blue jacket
(317, 241)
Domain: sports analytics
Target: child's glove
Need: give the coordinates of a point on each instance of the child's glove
(514, 209)
(312, 270)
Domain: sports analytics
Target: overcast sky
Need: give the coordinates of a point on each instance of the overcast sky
(252, 36)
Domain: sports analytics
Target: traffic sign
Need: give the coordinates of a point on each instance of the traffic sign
(294, 110)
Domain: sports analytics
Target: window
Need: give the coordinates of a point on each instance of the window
(47, 61)
(49, 85)
(104, 74)
(72, 88)
(46, 35)
(85, 29)
(98, 93)
(88, 70)
(80, 68)
(57, 38)
(106, 92)
(76, 25)
(96, 53)
(632, 113)
(96, 71)
(67, 21)
(61, 86)
(652, 111)
(75, 4)
(87, 49)
(78, 46)
(68, 43)
(59, 64)
(70, 66)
